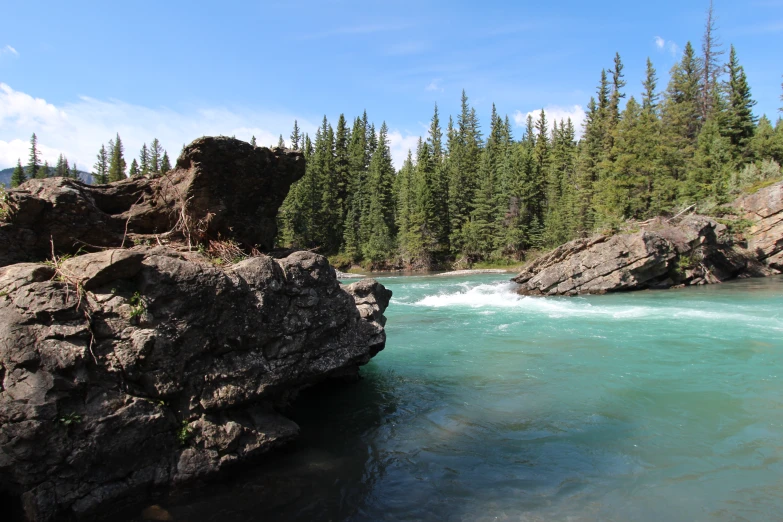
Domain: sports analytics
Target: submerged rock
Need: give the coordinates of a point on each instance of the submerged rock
(220, 188)
(692, 251)
(127, 370)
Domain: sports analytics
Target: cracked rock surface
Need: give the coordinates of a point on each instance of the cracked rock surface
(126, 370)
(765, 237)
(692, 251)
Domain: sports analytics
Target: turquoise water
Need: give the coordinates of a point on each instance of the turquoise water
(486, 405)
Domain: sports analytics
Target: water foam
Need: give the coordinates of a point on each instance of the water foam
(502, 295)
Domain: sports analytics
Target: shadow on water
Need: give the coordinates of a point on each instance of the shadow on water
(322, 476)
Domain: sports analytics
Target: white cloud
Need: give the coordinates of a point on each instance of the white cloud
(663, 45)
(434, 85)
(399, 146)
(77, 129)
(9, 50)
(555, 113)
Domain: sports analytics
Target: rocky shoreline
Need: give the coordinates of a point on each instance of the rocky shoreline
(132, 369)
(693, 250)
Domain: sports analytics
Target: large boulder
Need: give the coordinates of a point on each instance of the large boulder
(765, 210)
(692, 251)
(130, 369)
(220, 188)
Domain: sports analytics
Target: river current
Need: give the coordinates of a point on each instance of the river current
(486, 405)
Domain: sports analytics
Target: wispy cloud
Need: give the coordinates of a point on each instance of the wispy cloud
(407, 48)
(434, 86)
(77, 129)
(666, 45)
(359, 29)
(555, 113)
(9, 50)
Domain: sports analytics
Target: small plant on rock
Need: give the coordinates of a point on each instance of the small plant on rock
(138, 307)
(70, 419)
(184, 433)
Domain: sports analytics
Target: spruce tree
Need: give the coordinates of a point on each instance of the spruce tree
(711, 67)
(741, 123)
(60, 169)
(117, 163)
(281, 142)
(134, 169)
(35, 158)
(155, 157)
(144, 161)
(74, 174)
(43, 171)
(165, 163)
(357, 203)
(18, 177)
(296, 136)
(100, 173)
(253, 140)
(650, 96)
(380, 220)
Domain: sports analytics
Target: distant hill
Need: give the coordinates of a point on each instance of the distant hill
(5, 176)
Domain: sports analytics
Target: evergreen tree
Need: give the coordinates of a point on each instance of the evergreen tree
(155, 157)
(281, 142)
(711, 53)
(35, 158)
(741, 123)
(650, 96)
(117, 163)
(60, 170)
(681, 116)
(134, 169)
(165, 163)
(380, 220)
(74, 174)
(43, 171)
(253, 140)
(357, 204)
(144, 161)
(100, 173)
(295, 136)
(18, 177)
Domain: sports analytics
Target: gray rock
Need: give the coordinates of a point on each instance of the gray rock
(694, 250)
(127, 370)
(220, 188)
(765, 209)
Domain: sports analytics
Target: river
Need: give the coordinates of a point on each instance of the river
(485, 405)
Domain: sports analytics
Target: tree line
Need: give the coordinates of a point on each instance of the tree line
(110, 165)
(468, 197)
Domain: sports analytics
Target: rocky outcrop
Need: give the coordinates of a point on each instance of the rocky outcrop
(695, 250)
(220, 187)
(765, 210)
(130, 369)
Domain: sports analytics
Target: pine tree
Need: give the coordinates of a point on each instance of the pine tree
(253, 140)
(117, 163)
(357, 203)
(296, 136)
(711, 68)
(650, 96)
(100, 174)
(43, 171)
(18, 177)
(165, 163)
(741, 123)
(59, 168)
(155, 157)
(281, 142)
(134, 169)
(35, 158)
(144, 161)
(380, 220)
(681, 116)
(74, 174)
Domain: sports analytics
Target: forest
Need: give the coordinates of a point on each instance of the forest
(464, 196)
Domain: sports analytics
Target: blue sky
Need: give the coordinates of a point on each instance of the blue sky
(77, 72)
